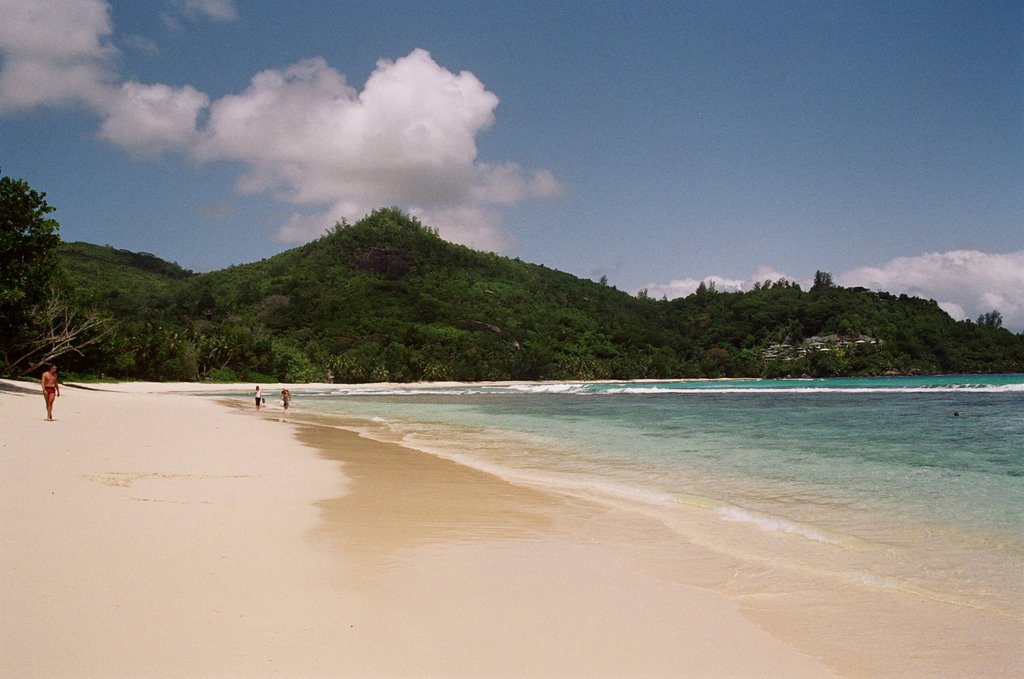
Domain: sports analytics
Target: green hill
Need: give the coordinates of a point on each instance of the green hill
(388, 299)
(125, 282)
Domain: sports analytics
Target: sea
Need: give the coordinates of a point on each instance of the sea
(908, 483)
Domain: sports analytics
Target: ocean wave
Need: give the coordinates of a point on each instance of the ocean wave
(545, 388)
(393, 391)
(960, 389)
(667, 388)
(771, 524)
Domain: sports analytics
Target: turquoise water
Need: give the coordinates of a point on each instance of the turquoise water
(911, 483)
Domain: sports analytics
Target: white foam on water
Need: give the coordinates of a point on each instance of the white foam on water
(561, 388)
(810, 386)
(944, 389)
(771, 524)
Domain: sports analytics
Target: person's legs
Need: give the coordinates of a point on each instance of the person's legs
(49, 396)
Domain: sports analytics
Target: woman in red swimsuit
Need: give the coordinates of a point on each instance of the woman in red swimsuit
(51, 390)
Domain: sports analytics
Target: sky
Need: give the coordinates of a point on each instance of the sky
(655, 144)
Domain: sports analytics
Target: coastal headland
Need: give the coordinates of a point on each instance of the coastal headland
(148, 532)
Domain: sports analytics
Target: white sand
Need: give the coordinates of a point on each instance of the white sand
(156, 534)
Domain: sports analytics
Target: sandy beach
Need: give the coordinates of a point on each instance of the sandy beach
(150, 533)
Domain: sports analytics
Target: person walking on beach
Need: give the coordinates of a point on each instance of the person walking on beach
(51, 390)
(259, 397)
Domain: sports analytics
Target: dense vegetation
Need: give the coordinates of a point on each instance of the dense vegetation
(41, 316)
(388, 299)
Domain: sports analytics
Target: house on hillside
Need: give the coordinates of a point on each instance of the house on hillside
(824, 343)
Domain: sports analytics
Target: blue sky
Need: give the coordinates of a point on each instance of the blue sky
(655, 143)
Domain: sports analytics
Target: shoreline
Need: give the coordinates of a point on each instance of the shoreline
(159, 534)
(391, 562)
(910, 632)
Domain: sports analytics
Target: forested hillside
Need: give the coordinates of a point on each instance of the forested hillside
(127, 283)
(388, 299)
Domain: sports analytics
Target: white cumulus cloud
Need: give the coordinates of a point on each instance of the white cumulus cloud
(681, 287)
(507, 185)
(965, 283)
(55, 52)
(153, 118)
(408, 138)
(303, 134)
(687, 286)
